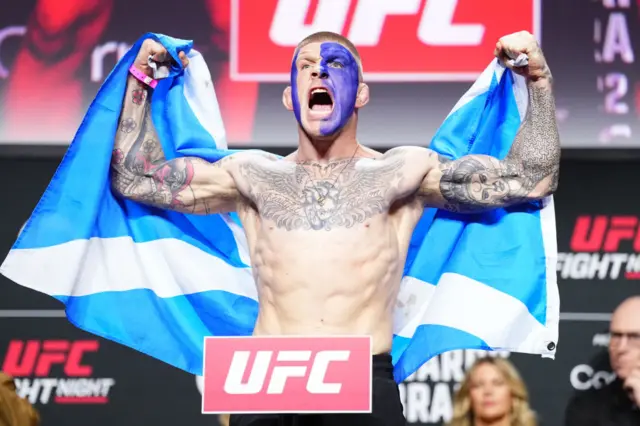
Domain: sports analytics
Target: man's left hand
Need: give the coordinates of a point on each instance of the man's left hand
(512, 45)
(632, 385)
(151, 48)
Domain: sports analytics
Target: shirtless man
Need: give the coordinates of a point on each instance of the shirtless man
(329, 226)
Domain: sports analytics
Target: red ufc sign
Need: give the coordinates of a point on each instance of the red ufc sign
(35, 358)
(603, 233)
(287, 375)
(399, 40)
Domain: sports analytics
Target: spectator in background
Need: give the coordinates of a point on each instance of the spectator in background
(492, 393)
(617, 403)
(15, 411)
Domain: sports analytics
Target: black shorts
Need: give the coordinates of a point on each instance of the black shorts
(387, 408)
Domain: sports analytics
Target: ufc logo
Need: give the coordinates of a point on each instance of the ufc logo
(36, 358)
(280, 373)
(426, 38)
(602, 233)
(436, 26)
(287, 374)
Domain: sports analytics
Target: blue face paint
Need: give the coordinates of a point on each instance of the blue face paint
(342, 69)
(339, 74)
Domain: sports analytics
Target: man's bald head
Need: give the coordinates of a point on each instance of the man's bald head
(329, 36)
(628, 313)
(624, 346)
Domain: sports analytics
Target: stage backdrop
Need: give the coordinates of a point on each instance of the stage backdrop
(107, 384)
(419, 56)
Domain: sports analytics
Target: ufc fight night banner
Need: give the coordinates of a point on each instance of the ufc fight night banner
(419, 57)
(74, 377)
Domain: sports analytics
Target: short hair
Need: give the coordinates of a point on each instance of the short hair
(336, 38)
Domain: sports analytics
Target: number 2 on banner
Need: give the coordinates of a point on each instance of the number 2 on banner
(613, 101)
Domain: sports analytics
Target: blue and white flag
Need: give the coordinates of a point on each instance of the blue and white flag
(160, 282)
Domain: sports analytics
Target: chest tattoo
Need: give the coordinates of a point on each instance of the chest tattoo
(311, 196)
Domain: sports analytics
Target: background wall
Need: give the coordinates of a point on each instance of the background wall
(139, 390)
(55, 54)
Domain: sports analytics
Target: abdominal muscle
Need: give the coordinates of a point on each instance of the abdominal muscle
(339, 282)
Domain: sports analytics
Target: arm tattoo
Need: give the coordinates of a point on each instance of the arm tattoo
(138, 96)
(530, 171)
(141, 171)
(310, 196)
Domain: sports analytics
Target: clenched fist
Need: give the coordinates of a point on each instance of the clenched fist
(158, 53)
(512, 45)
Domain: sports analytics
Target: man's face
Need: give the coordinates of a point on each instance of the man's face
(324, 87)
(624, 346)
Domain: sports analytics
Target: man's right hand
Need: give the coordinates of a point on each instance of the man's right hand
(158, 53)
(632, 385)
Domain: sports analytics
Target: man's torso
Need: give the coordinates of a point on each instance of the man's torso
(328, 245)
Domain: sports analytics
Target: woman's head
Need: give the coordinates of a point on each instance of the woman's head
(15, 411)
(492, 390)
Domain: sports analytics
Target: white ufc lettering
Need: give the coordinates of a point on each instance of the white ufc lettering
(437, 27)
(282, 372)
(436, 24)
(288, 26)
(370, 15)
(316, 383)
(258, 373)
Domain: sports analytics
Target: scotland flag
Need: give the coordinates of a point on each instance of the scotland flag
(160, 282)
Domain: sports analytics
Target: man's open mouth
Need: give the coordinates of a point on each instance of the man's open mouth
(320, 99)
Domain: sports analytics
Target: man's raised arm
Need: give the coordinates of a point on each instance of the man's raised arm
(529, 172)
(140, 171)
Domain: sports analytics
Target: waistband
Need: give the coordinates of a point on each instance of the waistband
(382, 366)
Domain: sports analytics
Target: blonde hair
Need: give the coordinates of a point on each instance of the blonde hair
(521, 413)
(336, 38)
(15, 411)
